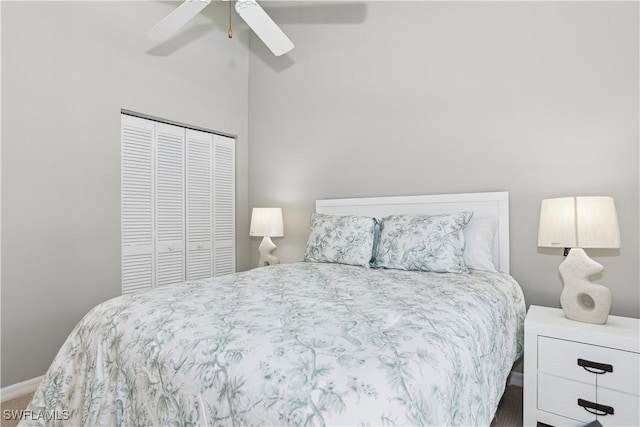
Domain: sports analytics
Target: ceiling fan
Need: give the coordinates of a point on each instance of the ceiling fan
(250, 11)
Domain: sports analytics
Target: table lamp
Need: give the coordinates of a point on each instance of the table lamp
(267, 223)
(578, 223)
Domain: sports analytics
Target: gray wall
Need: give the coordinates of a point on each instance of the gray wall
(539, 99)
(67, 70)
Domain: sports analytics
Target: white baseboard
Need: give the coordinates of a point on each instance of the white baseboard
(15, 390)
(516, 378)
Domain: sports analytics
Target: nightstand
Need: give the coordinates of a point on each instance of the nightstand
(575, 372)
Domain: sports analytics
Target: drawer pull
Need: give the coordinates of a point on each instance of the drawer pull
(601, 367)
(595, 408)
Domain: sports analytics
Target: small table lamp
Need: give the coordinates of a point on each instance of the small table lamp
(576, 223)
(267, 222)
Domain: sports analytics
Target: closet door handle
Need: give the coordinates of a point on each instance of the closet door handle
(595, 367)
(595, 408)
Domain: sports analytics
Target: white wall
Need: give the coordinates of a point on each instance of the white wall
(377, 99)
(67, 70)
(539, 99)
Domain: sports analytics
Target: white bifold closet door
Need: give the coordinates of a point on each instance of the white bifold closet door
(178, 204)
(224, 205)
(199, 204)
(169, 195)
(138, 204)
(210, 205)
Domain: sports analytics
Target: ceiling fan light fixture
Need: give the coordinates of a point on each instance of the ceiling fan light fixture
(249, 10)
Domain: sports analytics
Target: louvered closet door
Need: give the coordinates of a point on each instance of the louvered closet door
(137, 136)
(224, 230)
(170, 202)
(199, 204)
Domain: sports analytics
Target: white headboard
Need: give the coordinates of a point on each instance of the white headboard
(494, 204)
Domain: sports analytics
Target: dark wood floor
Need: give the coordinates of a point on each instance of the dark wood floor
(509, 412)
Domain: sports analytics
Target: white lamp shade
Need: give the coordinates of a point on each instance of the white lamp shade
(266, 222)
(579, 222)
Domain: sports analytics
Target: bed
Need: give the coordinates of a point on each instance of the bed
(306, 343)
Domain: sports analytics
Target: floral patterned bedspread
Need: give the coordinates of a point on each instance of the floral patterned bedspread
(301, 343)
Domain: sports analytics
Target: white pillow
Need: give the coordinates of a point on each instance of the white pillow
(478, 237)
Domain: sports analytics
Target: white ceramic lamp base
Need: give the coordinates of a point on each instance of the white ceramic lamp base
(581, 299)
(266, 249)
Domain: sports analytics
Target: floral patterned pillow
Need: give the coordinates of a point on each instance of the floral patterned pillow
(423, 242)
(342, 239)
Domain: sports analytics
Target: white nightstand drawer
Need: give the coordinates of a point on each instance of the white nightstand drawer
(554, 379)
(562, 358)
(561, 397)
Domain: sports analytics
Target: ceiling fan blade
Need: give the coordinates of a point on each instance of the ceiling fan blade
(176, 19)
(264, 27)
